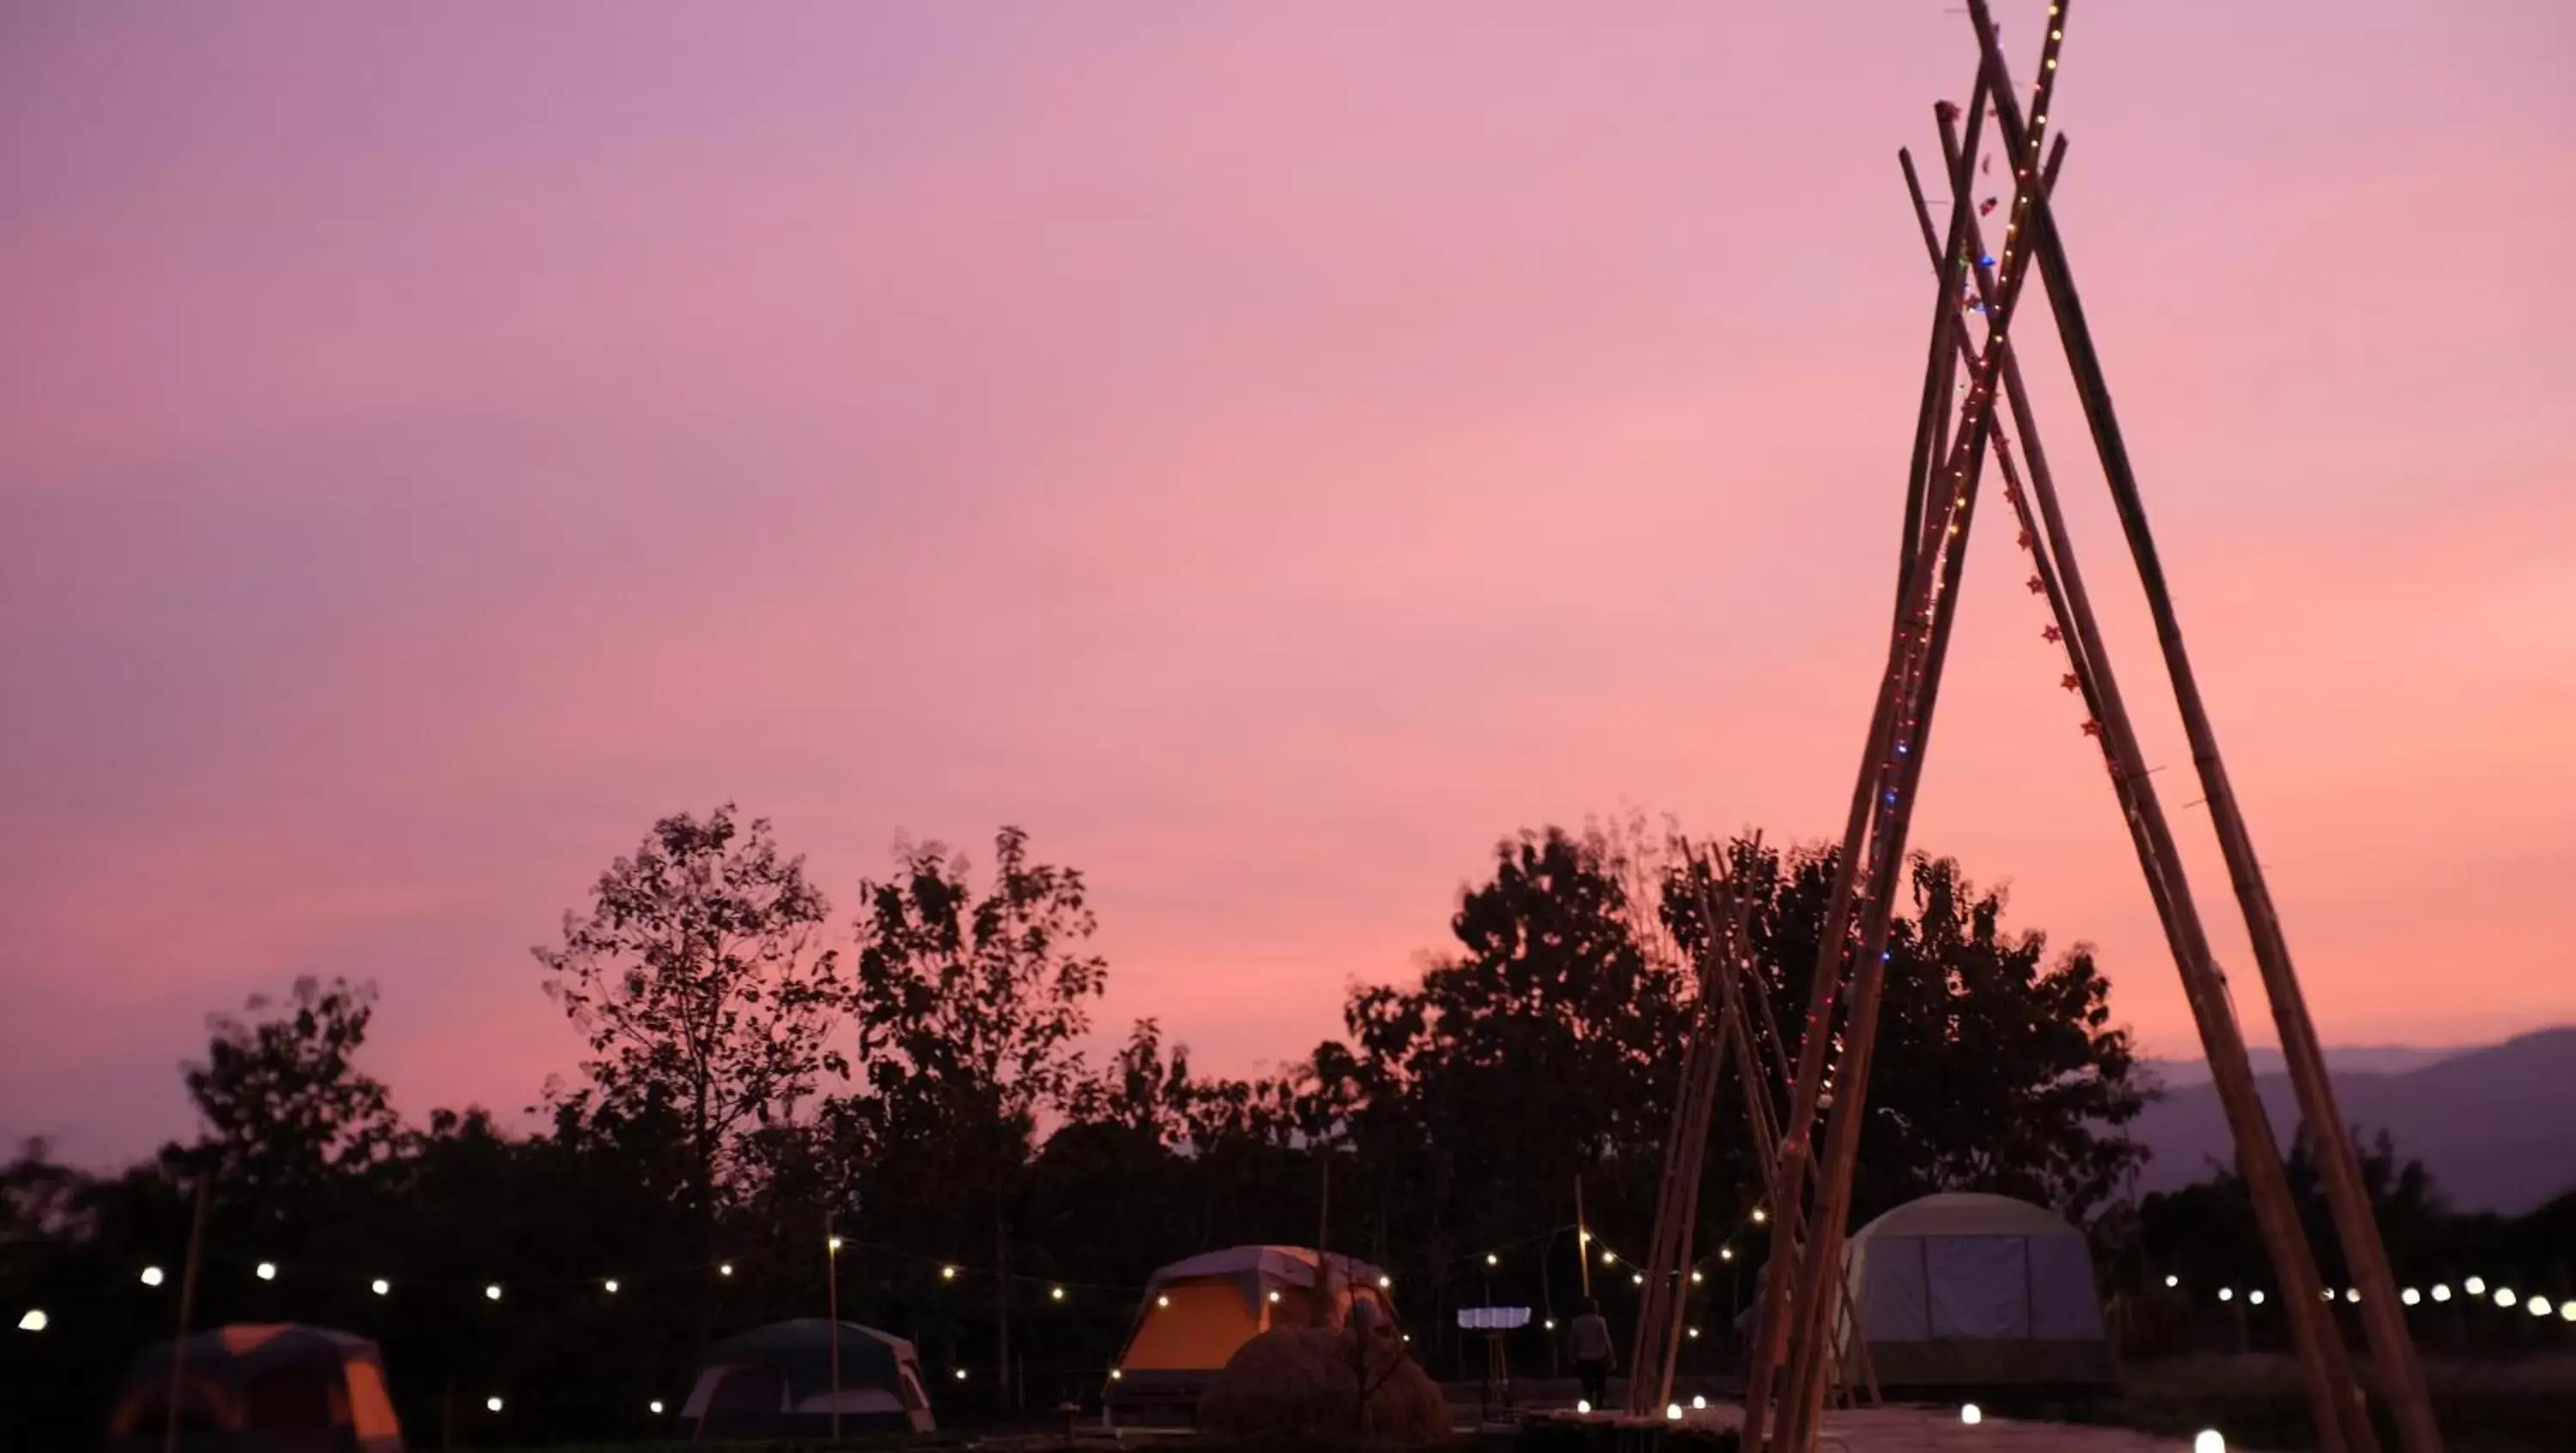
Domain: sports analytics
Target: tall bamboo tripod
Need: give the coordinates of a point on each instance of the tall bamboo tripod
(1785, 1387)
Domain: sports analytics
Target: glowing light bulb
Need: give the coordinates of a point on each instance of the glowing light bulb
(2227, 1294)
(1492, 1260)
(831, 1243)
(1699, 1404)
(265, 1271)
(1726, 1253)
(2441, 1291)
(492, 1293)
(961, 1374)
(492, 1405)
(1116, 1376)
(2476, 1286)
(2352, 1294)
(2538, 1306)
(380, 1287)
(1694, 1278)
(655, 1407)
(1609, 1258)
(724, 1268)
(1760, 1215)
(1058, 1294)
(1638, 1277)
(948, 1273)
(1971, 1414)
(2505, 1297)
(1274, 1296)
(2410, 1296)
(1580, 1405)
(32, 1320)
(2172, 1281)
(609, 1286)
(2255, 1297)
(1694, 1331)
(1385, 1282)
(1162, 1301)
(2567, 1311)
(152, 1276)
(2208, 1441)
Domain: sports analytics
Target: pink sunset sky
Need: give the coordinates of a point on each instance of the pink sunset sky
(1268, 452)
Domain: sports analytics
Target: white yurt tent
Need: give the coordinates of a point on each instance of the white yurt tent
(1966, 1289)
(777, 1381)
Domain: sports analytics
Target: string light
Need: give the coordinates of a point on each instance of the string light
(2352, 1294)
(1492, 1260)
(2410, 1296)
(949, 1273)
(2227, 1294)
(2256, 1297)
(2538, 1306)
(832, 1243)
(655, 1407)
(1694, 1331)
(2567, 1311)
(1971, 1414)
(1673, 1412)
(2441, 1292)
(32, 1320)
(1385, 1282)
(2208, 1441)
(492, 1293)
(609, 1286)
(1058, 1294)
(2172, 1281)
(2475, 1286)
(1609, 1258)
(1699, 1404)
(2505, 1297)
(724, 1268)
(152, 1276)
(1117, 1376)
(1638, 1277)
(1760, 1215)
(380, 1287)
(1582, 1405)
(1162, 1301)
(1274, 1296)
(1726, 1253)
(492, 1405)
(961, 1374)
(1694, 1278)
(265, 1271)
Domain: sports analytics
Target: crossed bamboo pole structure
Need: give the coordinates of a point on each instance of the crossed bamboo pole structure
(1722, 1027)
(1785, 1387)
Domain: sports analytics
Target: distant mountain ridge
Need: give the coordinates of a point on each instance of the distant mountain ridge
(2496, 1126)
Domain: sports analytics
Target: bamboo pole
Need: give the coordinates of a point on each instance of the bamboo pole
(1789, 1183)
(2320, 1350)
(1819, 1250)
(2392, 1348)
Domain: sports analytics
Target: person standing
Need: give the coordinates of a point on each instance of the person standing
(1593, 1357)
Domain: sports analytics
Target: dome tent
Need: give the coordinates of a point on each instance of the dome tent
(1198, 1312)
(1967, 1289)
(776, 1381)
(259, 1388)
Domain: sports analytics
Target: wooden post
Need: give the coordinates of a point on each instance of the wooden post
(1001, 1310)
(832, 1315)
(187, 1309)
(1582, 1244)
(2392, 1348)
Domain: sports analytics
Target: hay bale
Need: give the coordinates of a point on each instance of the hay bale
(1306, 1381)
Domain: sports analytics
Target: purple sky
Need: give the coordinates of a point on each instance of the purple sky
(1269, 453)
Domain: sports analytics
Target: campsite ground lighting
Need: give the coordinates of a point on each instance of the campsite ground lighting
(1971, 1414)
(1673, 1412)
(1581, 1406)
(2208, 1441)
(1699, 1404)
(152, 1276)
